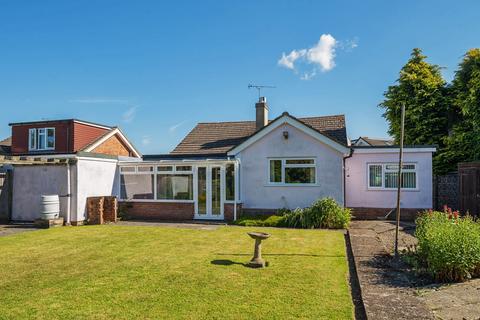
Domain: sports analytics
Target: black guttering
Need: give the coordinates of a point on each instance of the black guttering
(59, 120)
(411, 146)
(194, 156)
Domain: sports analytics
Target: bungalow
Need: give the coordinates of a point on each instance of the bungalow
(219, 171)
(223, 169)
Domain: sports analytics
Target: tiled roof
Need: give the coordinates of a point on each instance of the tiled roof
(5, 146)
(375, 141)
(6, 142)
(220, 137)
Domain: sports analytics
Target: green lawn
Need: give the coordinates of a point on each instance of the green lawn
(125, 272)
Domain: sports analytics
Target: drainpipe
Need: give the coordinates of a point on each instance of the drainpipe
(345, 179)
(69, 195)
(236, 191)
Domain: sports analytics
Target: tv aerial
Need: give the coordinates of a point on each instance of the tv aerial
(259, 88)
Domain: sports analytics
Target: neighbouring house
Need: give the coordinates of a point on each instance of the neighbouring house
(91, 153)
(372, 142)
(70, 136)
(5, 146)
(223, 169)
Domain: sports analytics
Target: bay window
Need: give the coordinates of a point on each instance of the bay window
(385, 176)
(292, 171)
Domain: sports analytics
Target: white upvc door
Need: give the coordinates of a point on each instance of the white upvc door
(210, 182)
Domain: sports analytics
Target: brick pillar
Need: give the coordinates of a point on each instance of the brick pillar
(110, 208)
(95, 210)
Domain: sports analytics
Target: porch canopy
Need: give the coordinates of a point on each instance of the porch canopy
(208, 182)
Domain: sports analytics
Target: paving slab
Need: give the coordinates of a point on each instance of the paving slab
(457, 301)
(14, 228)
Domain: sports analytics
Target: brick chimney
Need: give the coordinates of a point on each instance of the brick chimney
(262, 113)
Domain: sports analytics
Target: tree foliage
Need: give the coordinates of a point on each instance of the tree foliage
(422, 89)
(463, 143)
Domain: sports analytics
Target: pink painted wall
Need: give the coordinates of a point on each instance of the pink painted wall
(359, 195)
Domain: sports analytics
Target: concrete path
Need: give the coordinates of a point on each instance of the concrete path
(14, 228)
(387, 293)
(457, 301)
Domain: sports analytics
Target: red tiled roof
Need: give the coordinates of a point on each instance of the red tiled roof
(220, 137)
(5, 146)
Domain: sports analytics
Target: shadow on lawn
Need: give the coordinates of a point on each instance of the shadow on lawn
(226, 262)
(284, 254)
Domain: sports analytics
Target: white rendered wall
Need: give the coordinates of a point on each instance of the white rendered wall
(95, 177)
(30, 183)
(358, 194)
(255, 189)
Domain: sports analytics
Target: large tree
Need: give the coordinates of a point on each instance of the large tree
(422, 89)
(463, 143)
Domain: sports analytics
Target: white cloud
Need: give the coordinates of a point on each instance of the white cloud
(174, 128)
(321, 56)
(129, 114)
(95, 100)
(289, 60)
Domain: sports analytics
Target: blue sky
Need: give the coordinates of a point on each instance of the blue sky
(156, 68)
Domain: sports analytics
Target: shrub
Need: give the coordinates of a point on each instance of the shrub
(261, 221)
(449, 245)
(324, 213)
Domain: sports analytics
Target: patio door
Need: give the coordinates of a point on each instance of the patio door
(209, 202)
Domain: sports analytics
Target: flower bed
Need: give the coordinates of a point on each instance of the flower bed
(324, 213)
(448, 245)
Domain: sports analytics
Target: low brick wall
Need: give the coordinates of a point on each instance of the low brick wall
(228, 211)
(158, 210)
(406, 214)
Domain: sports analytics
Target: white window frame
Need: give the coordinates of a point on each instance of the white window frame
(32, 131)
(383, 165)
(285, 165)
(155, 173)
(36, 132)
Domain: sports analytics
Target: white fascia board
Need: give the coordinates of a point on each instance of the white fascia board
(175, 162)
(108, 136)
(393, 150)
(92, 124)
(294, 123)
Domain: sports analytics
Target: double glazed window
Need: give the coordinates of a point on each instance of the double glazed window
(385, 176)
(41, 139)
(230, 182)
(292, 171)
(156, 183)
(174, 184)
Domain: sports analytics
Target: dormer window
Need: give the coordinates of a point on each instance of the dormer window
(41, 139)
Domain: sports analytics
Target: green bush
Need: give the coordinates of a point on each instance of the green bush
(324, 213)
(261, 221)
(449, 245)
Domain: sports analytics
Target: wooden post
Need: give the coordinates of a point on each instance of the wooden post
(399, 178)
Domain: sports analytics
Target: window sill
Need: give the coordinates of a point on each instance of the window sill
(393, 189)
(153, 200)
(292, 185)
(231, 201)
